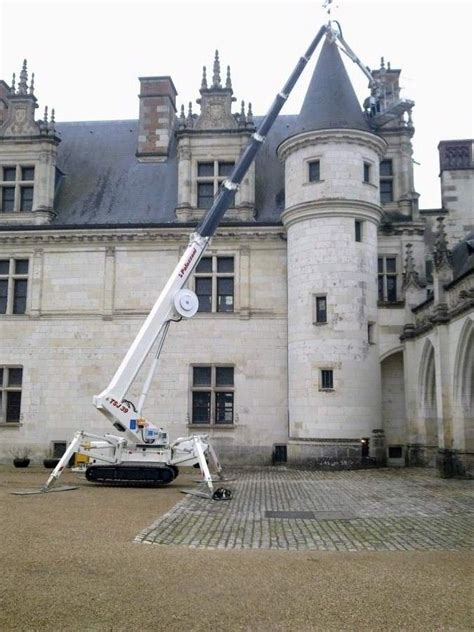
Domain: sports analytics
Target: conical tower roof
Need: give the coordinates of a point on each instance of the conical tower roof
(330, 101)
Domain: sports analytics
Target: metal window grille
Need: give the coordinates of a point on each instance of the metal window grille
(214, 284)
(11, 379)
(395, 451)
(212, 395)
(59, 448)
(13, 285)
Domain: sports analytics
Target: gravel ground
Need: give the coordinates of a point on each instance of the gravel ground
(68, 562)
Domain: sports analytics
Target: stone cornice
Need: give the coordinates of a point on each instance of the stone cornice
(324, 137)
(403, 228)
(31, 141)
(211, 133)
(336, 207)
(117, 236)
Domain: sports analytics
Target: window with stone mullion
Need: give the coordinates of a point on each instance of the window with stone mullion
(212, 395)
(11, 379)
(17, 188)
(387, 279)
(210, 176)
(214, 284)
(13, 285)
(386, 181)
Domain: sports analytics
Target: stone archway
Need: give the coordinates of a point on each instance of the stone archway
(427, 406)
(393, 407)
(463, 390)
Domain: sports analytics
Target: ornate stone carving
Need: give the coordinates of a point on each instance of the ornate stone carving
(410, 275)
(216, 111)
(20, 120)
(442, 254)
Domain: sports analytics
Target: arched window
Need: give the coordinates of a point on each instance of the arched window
(427, 382)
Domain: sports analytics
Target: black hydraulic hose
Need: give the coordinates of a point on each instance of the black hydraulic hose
(223, 199)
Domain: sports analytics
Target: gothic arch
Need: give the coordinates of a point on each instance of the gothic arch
(464, 369)
(391, 352)
(394, 419)
(427, 393)
(463, 389)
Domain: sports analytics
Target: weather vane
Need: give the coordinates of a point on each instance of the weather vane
(327, 6)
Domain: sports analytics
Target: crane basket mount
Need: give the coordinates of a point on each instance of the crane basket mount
(143, 452)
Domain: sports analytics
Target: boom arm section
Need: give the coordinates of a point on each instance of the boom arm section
(174, 302)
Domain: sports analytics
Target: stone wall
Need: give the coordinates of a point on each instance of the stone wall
(88, 300)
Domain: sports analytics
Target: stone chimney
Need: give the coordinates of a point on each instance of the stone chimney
(157, 116)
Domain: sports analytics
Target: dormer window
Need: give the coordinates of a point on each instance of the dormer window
(17, 188)
(210, 176)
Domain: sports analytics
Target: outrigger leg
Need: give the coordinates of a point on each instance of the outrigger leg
(220, 493)
(56, 473)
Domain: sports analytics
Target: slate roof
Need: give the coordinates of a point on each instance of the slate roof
(102, 182)
(330, 101)
(463, 256)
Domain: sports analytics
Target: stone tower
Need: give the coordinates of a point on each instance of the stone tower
(332, 212)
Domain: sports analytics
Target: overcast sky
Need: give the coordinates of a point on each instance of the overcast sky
(88, 55)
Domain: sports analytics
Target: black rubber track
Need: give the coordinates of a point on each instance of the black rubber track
(131, 475)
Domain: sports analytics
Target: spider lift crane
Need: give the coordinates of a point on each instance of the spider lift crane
(142, 452)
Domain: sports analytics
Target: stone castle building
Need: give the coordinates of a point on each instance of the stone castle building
(336, 316)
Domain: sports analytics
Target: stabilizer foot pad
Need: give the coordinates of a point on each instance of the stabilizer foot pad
(215, 480)
(195, 492)
(219, 494)
(60, 488)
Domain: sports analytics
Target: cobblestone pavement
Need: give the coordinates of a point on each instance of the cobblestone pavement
(279, 508)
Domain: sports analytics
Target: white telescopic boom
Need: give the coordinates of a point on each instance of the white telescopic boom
(165, 308)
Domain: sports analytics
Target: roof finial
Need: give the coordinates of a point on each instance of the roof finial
(52, 122)
(382, 62)
(23, 85)
(182, 118)
(388, 66)
(242, 119)
(250, 115)
(13, 86)
(228, 80)
(410, 275)
(32, 84)
(441, 254)
(45, 116)
(216, 77)
(190, 119)
(204, 79)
